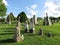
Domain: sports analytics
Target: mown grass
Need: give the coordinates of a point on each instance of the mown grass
(7, 33)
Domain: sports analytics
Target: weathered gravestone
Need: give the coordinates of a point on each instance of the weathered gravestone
(49, 34)
(32, 29)
(17, 35)
(26, 27)
(6, 20)
(41, 32)
(35, 19)
(9, 21)
(47, 20)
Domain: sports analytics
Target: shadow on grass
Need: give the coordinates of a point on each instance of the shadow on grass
(7, 41)
(7, 29)
(6, 33)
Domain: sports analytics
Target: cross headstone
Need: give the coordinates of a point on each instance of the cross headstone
(17, 35)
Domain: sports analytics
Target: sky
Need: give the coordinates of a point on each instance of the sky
(33, 7)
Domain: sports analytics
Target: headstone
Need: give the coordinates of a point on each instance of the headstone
(49, 34)
(26, 27)
(32, 29)
(47, 20)
(6, 20)
(19, 24)
(41, 32)
(35, 19)
(17, 35)
(9, 21)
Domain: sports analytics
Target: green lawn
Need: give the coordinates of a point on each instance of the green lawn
(7, 32)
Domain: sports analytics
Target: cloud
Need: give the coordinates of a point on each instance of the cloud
(34, 6)
(32, 10)
(5, 2)
(52, 7)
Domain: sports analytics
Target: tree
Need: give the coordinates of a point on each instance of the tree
(11, 17)
(59, 18)
(23, 17)
(39, 18)
(3, 9)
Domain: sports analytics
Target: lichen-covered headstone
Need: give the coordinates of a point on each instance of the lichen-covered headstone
(17, 35)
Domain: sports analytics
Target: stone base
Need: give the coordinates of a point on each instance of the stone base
(32, 30)
(18, 38)
(9, 23)
(26, 30)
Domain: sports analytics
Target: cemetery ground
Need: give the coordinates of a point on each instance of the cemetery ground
(7, 33)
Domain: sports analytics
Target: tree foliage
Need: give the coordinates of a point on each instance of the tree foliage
(39, 18)
(23, 17)
(3, 9)
(11, 17)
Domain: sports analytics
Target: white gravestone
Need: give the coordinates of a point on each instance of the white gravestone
(32, 29)
(26, 27)
(47, 20)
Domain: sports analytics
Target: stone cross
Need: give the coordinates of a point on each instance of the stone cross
(17, 35)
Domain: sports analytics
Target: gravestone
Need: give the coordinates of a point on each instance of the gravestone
(49, 34)
(26, 27)
(47, 20)
(9, 21)
(17, 35)
(19, 24)
(6, 20)
(35, 19)
(32, 29)
(41, 32)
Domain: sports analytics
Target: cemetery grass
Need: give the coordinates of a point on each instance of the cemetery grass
(7, 33)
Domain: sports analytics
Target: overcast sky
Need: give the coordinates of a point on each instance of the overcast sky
(33, 7)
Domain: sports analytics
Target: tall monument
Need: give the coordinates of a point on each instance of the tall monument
(35, 19)
(47, 20)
